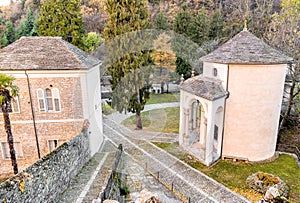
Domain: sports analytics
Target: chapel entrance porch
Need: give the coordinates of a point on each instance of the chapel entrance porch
(201, 123)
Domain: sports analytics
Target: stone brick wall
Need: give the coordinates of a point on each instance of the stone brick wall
(61, 126)
(47, 178)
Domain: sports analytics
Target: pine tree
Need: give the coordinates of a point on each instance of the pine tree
(161, 21)
(199, 29)
(62, 18)
(3, 41)
(217, 25)
(130, 84)
(183, 21)
(9, 32)
(27, 25)
(182, 25)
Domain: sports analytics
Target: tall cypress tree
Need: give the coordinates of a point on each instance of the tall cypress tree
(62, 18)
(129, 82)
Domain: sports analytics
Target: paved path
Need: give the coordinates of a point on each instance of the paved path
(119, 117)
(185, 181)
(141, 159)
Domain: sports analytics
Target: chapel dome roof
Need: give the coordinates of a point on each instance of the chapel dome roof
(245, 48)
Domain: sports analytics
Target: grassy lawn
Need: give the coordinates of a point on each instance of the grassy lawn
(158, 120)
(106, 109)
(234, 175)
(163, 98)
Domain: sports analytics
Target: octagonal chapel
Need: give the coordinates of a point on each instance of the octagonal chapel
(232, 110)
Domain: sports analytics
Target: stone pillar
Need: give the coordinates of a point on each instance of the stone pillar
(209, 135)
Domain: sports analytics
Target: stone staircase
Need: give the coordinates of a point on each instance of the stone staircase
(88, 184)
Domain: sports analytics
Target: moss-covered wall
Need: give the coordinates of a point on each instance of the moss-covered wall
(47, 178)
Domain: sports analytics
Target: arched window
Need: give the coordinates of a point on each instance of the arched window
(48, 98)
(195, 114)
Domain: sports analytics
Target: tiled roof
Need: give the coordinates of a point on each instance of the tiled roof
(44, 53)
(245, 48)
(208, 88)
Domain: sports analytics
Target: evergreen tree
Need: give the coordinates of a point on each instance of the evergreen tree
(27, 25)
(183, 26)
(3, 41)
(183, 21)
(217, 25)
(161, 21)
(199, 29)
(130, 85)
(62, 18)
(9, 32)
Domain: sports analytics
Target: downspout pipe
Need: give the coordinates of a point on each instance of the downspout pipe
(33, 116)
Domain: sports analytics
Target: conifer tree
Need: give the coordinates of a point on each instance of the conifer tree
(217, 25)
(161, 21)
(9, 32)
(182, 25)
(27, 25)
(130, 85)
(62, 18)
(200, 26)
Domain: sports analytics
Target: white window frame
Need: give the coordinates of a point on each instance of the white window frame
(58, 143)
(41, 99)
(56, 95)
(48, 99)
(6, 153)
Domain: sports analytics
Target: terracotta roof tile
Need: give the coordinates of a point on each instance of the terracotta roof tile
(44, 53)
(208, 88)
(245, 48)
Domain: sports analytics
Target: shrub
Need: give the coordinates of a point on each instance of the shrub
(260, 182)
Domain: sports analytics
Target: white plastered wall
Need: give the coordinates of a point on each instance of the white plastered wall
(253, 110)
(91, 95)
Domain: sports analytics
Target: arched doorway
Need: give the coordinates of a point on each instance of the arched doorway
(195, 122)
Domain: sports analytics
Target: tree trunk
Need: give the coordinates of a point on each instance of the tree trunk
(138, 119)
(10, 140)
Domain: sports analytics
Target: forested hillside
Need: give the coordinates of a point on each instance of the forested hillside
(258, 12)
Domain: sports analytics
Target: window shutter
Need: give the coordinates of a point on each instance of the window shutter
(56, 99)
(41, 100)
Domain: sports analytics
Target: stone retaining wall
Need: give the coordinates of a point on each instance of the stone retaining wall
(115, 181)
(47, 178)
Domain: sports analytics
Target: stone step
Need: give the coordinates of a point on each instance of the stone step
(87, 185)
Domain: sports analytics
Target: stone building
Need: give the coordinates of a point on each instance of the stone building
(59, 87)
(232, 110)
